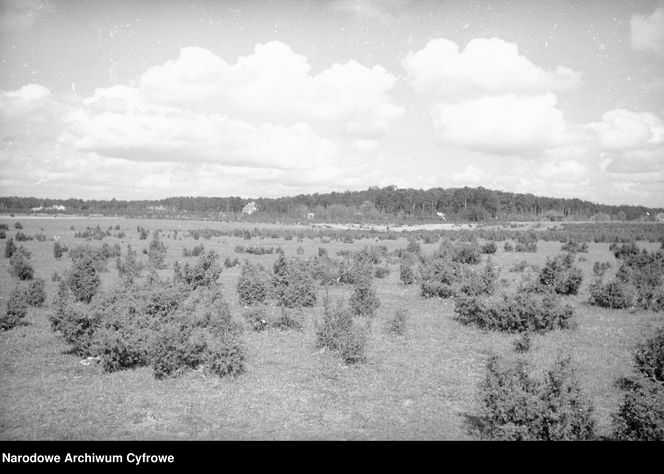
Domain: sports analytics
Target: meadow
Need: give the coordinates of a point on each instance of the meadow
(421, 384)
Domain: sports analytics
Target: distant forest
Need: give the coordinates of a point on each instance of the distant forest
(376, 204)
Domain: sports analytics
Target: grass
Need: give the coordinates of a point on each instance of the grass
(420, 387)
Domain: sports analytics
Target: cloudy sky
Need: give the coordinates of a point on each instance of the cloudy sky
(146, 99)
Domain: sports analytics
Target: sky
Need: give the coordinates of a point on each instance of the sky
(147, 99)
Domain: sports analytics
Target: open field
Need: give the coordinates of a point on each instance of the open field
(421, 386)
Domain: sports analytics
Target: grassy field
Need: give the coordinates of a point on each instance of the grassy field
(421, 386)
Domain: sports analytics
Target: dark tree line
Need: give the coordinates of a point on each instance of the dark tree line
(474, 204)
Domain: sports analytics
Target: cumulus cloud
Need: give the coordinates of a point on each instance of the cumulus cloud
(622, 129)
(647, 32)
(492, 66)
(506, 124)
(182, 136)
(28, 115)
(276, 83)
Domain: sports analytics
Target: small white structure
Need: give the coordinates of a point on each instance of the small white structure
(311, 215)
(441, 215)
(250, 208)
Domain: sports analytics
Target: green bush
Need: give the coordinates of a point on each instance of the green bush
(489, 248)
(406, 273)
(338, 332)
(59, 250)
(536, 312)
(516, 406)
(129, 268)
(204, 273)
(83, 279)
(10, 248)
(292, 283)
(18, 225)
(253, 286)
(156, 251)
(364, 302)
(641, 414)
(482, 282)
(256, 317)
(19, 265)
(574, 247)
(560, 275)
(614, 294)
(75, 321)
(16, 311)
(35, 292)
(508, 247)
(523, 343)
(644, 271)
(600, 268)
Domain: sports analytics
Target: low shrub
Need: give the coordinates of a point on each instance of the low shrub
(19, 265)
(83, 279)
(600, 268)
(364, 302)
(614, 294)
(489, 248)
(574, 247)
(204, 273)
(508, 247)
(292, 283)
(16, 310)
(59, 250)
(289, 318)
(536, 312)
(129, 268)
(196, 251)
(338, 332)
(21, 237)
(641, 413)
(516, 406)
(18, 225)
(35, 292)
(523, 343)
(560, 275)
(231, 262)
(10, 248)
(397, 324)
(382, 272)
(253, 286)
(157, 251)
(406, 273)
(256, 317)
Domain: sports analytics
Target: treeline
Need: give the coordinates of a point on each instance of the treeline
(474, 204)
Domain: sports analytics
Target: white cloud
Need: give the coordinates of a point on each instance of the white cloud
(29, 114)
(647, 32)
(183, 136)
(506, 124)
(491, 66)
(276, 83)
(622, 129)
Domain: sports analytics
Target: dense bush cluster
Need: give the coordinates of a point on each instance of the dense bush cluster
(204, 273)
(516, 406)
(89, 233)
(641, 414)
(560, 275)
(161, 324)
(639, 281)
(518, 312)
(292, 283)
